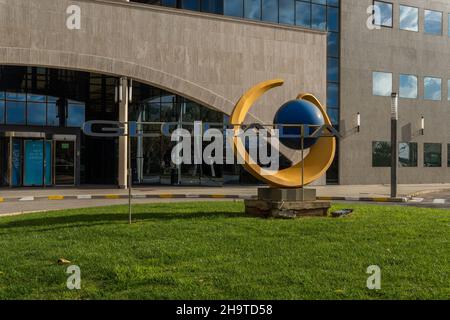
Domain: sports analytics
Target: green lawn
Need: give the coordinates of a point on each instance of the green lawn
(211, 250)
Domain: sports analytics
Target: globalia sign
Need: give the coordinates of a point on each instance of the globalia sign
(300, 124)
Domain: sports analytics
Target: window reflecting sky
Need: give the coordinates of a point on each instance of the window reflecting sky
(409, 18)
(432, 88)
(383, 13)
(408, 86)
(382, 83)
(433, 22)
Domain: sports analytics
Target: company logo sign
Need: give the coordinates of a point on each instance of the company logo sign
(300, 124)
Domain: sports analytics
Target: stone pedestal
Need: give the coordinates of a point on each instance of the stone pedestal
(286, 203)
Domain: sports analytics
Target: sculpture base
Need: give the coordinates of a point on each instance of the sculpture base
(286, 203)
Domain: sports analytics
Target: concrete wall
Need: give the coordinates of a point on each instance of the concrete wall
(397, 51)
(208, 58)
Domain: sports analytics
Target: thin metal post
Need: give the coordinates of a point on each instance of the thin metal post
(129, 174)
(303, 160)
(394, 142)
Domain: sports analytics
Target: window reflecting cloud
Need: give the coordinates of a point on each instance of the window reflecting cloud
(382, 83)
(433, 22)
(432, 87)
(383, 14)
(408, 86)
(409, 18)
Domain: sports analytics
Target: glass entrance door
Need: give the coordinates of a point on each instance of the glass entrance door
(37, 163)
(4, 154)
(64, 162)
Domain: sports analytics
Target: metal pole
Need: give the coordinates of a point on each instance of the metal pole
(303, 160)
(394, 142)
(129, 174)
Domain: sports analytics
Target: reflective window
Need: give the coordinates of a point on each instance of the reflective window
(448, 90)
(381, 84)
(212, 6)
(270, 10)
(333, 69)
(75, 114)
(432, 88)
(36, 113)
(433, 22)
(383, 13)
(333, 95)
(2, 111)
(407, 154)
(408, 86)
(319, 17)
(432, 155)
(303, 14)
(448, 25)
(409, 18)
(333, 44)
(333, 19)
(381, 154)
(234, 8)
(15, 112)
(52, 112)
(448, 155)
(287, 11)
(252, 9)
(191, 4)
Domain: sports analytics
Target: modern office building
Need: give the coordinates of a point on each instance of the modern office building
(66, 62)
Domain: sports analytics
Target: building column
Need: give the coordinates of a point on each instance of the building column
(122, 97)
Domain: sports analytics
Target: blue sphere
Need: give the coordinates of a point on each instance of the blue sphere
(298, 112)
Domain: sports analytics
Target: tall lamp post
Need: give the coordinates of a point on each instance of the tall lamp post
(394, 149)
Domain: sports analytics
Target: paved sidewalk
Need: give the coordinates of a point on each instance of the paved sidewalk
(334, 192)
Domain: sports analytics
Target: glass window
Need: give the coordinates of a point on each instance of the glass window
(448, 155)
(252, 9)
(381, 154)
(408, 86)
(2, 111)
(319, 17)
(303, 14)
(169, 3)
(333, 44)
(270, 10)
(432, 155)
(409, 18)
(433, 22)
(333, 70)
(15, 112)
(333, 19)
(432, 88)
(75, 115)
(52, 112)
(333, 95)
(383, 13)
(36, 114)
(381, 84)
(333, 3)
(234, 8)
(191, 5)
(448, 25)
(448, 90)
(212, 6)
(287, 11)
(407, 154)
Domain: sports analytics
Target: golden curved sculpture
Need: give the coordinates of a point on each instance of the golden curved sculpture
(316, 163)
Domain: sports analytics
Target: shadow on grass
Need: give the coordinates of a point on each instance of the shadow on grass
(106, 218)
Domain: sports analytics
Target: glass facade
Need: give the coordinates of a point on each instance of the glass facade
(313, 14)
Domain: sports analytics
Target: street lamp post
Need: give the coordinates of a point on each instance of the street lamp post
(394, 142)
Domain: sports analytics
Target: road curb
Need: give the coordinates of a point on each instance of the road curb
(418, 193)
(184, 196)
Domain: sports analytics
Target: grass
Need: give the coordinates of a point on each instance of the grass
(211, 250)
